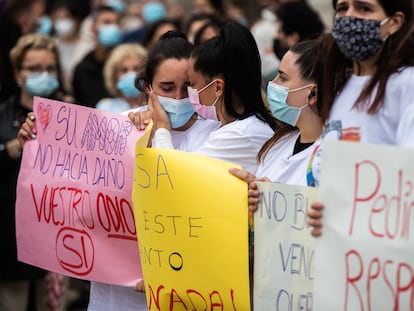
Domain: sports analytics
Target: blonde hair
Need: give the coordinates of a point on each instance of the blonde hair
(117, 55)
(32, 42)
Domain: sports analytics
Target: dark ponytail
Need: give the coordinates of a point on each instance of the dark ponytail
(234, 56)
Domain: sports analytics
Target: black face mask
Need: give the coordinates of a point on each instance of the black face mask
(278, 49)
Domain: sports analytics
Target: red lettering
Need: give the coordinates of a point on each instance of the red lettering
(232, 299)
(75, 251)
(175, 298)
(351, 280)
(189, 299)
(71, 202)
(113, 219)
(402, 288)
(152, 296)
(219, 304)
(380, 275)
(196, 306)
(358, 199)
(372, 276)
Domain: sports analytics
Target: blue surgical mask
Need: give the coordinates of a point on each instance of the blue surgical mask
(153, 11)
(109, 35)
(117, 5)
(41, 84)
(179, 111)
(126, 85)
(277, 96)
(44, 25)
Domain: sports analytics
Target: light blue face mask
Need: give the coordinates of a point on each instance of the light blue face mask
(45, 25)
(277, 96)
(126, 85)
(109, 35)
(179, 111)
(41, 84)
(153, 11)
(117, 5)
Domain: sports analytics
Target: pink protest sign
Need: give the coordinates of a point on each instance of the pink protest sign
(73, 210)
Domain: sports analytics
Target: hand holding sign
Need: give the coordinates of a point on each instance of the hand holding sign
(73, 210)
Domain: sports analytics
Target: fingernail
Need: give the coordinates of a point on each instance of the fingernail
(33, 135)
(31, 117)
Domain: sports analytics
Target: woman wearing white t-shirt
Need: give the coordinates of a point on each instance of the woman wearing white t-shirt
(225, 77)
(165, 72)
(368, 93)
(293, 100)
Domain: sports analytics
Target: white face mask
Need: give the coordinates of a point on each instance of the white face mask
(64, 27)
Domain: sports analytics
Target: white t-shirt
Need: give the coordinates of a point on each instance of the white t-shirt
(393, 124)
(282, 166)
(238, 142)
(109, 297)
(187, 140)
(195, 136)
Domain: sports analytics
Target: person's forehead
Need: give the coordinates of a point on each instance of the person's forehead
(172, 69)
(39, 55)
(107, 15)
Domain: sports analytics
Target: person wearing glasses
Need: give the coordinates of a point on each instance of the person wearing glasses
(36, 67)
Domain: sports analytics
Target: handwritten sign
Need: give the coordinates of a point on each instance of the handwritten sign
(191, 218)
(283, 248)
(365, 257)
(73, 211)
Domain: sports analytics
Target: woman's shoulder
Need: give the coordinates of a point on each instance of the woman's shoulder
(404, 74)
(251, 124)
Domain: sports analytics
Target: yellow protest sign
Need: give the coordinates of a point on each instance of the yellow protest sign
(191, 219)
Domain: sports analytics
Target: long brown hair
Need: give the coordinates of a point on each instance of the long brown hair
(310, 62)
(396, 53)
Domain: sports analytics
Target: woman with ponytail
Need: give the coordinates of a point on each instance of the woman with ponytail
(225, 85)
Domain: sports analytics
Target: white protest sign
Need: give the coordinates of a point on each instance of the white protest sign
(283, 248)
(365, 257)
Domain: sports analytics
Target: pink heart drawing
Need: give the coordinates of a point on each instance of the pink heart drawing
(44, 114)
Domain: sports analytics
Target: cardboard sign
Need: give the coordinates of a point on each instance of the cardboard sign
(74, 213)
(191, 217)
(365, 257)
(283, 248)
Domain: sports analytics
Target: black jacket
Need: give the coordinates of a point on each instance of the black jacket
(88, 82)
(12, 115)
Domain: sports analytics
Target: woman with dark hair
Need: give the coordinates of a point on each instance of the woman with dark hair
(165, 73)
(293, 100)
(225, 79)
(367, 93)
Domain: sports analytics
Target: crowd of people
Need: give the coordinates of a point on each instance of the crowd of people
(257, 84)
